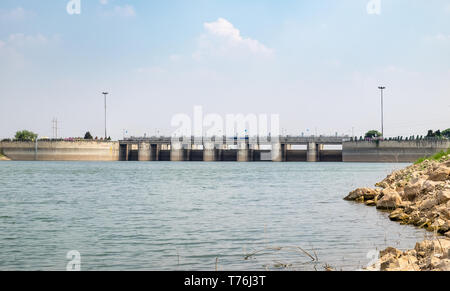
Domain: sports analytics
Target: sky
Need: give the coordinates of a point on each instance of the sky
(317, 64)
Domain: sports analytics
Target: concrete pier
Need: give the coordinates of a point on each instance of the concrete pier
(144, 152)
(176, 152)
(243, 152)
(276, 152)
(311, 155)
(209, 152)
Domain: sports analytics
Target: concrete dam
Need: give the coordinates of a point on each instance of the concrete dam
(392, 151)
(46, 150)
(283, 149)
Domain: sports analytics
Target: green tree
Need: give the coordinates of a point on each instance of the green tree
(26, 135)
(88, 135)
(437, 133)
(446, 133)
(430, 133)
(373, 134)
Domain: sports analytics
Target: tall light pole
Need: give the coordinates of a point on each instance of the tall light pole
(105, 94)
(382, 111)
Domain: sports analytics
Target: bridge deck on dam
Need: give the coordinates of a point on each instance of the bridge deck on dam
(292, 140)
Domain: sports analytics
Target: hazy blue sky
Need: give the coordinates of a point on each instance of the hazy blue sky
(316, 63)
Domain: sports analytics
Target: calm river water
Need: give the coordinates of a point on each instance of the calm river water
(191, 216)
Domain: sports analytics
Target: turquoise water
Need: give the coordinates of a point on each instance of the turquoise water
(191, 216)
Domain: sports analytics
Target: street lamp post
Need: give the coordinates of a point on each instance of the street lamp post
(382, 111)
(105, 94)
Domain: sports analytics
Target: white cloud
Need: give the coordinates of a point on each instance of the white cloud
(334, 63)
(222, 38)
(15, 14)
(121, 11)
(151, 70)
(21, 40)
(439, 38)
(175, 57)
(13, 50)
(442, 37)
(103, 2)
(224, 28)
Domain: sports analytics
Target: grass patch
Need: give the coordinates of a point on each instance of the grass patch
(439, 157)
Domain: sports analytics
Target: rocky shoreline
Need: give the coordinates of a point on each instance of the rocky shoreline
(418, 195)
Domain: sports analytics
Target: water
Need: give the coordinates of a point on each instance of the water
(191, 216)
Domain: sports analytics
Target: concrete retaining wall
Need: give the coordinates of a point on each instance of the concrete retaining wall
(61, 151)
(391, 151)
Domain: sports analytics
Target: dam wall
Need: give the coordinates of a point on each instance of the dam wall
(44, 150)
(391, 151)
(93, 150)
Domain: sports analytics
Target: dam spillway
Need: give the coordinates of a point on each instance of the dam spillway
(282, 149)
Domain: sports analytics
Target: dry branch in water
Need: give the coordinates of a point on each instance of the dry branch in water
(276, 249)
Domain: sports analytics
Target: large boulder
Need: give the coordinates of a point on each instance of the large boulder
(440, 225)
(429, 186)
(443, 196)
(442, 173)
(370, 203)
(412, 191)
(362, 194)
(428, 204)
(444, 265)
(390, 200)
(392, 259)
(382, 184)
(427, 248)
(398, 215)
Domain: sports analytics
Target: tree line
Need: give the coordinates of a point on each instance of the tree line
(376, 135)
(27, 135)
